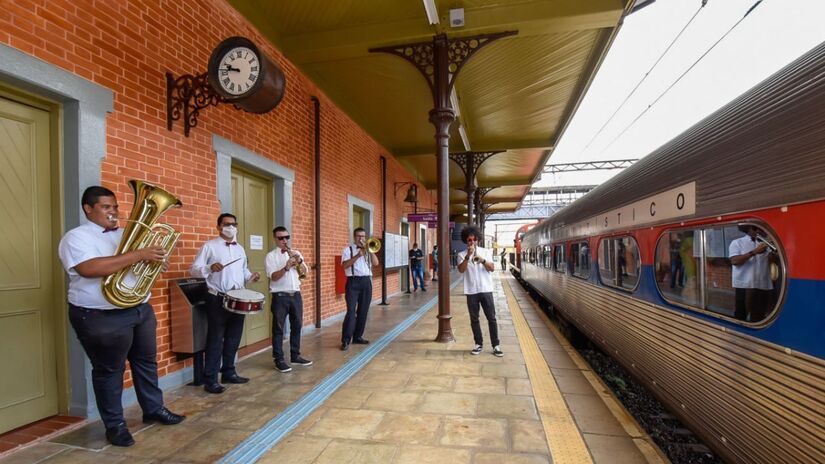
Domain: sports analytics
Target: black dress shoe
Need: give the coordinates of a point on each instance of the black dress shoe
(164, 416)
(233, 379)
(344, 346)
(214, 388)
(361, 341)
(119, 435)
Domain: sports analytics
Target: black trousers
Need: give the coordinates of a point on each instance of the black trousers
(485, 300)
(284, 305)
(358, 296)
(223, 336)
(109, 338)
(752, 304)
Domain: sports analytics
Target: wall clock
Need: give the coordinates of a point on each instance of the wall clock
(242, 75)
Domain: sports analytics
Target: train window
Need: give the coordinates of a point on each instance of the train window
(580, 257)
(734, 270)
(558, 258)
(546, 257)
(677, 267)
(619, 262)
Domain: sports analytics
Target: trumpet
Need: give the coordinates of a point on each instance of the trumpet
(302, 267)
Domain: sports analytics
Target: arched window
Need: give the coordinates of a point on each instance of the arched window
(619, 262)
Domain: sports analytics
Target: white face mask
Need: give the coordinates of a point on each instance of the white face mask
(229, 231)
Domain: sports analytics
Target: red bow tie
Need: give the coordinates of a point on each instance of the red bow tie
(109, 229)
(231, 243)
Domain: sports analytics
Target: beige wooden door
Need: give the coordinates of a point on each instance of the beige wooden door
(28, 384)
(252, 200)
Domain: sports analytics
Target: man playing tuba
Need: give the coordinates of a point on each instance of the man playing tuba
(284, 266)
(108, 333)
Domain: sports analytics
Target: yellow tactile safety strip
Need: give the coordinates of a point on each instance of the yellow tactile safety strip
(563, 437)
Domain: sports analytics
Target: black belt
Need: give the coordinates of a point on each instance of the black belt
(286, 294)
(216, 293)
(359, 277)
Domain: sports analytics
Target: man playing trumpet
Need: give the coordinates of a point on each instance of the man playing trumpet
(284, 268)
(476, 263)
(111, 335)
(357, 262)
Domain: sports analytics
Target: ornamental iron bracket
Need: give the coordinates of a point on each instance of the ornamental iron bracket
(186, 96)
(470, 162)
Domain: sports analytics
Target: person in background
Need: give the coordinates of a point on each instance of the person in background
(478, 287)
(435, 262)
(751, 274)
(417, 267)
(111, 335)
(503, 261)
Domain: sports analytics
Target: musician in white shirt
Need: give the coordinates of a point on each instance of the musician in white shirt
(357, 263)
(282, 267)
(478, 287)
(111, 335)
(222, 261)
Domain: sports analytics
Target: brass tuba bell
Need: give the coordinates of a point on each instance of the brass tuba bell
(142, 231)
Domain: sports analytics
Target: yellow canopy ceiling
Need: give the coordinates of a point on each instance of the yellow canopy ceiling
(516, 94)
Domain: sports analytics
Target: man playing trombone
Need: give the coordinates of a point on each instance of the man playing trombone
(285, 268)
(476, 263)
(357, 262)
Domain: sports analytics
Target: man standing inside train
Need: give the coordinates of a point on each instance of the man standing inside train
(109, 334)
(476, 263)
(223, 263)
(357, 262)
(751, 275)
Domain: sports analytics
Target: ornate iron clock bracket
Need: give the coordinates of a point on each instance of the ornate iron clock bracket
(186, 96)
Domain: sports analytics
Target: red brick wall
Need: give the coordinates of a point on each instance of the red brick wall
(127, 46)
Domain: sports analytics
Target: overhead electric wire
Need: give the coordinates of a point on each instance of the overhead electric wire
(638, 84)
(753, 7)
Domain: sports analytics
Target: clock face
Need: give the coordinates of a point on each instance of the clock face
(239, 70)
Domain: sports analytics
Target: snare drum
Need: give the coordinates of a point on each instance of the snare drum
(243, 301)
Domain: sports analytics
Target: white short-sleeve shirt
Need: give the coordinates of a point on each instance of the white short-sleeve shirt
(289, 282)
(753, 273)
(361, 267)
(477, 279)
(82, 244)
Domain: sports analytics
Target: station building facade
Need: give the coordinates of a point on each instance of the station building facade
(83, 101)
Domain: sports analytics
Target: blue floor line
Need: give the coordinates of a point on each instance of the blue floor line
(257, 444)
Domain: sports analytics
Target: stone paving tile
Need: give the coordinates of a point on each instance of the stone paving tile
(81, 456)
(593, 416)
(417, 366)
(36, 453)
(390, 400)
(519, 387)
(295, 450)
(501, 458)
(347, 423)
(162, 442)
(339, 452)
(458, 368)
(505, 370)
(414, 454)
(348, 397)
(480, 385)
(450, 403)
(421, 382)
(382, 380)
(613, 450)
(517, 407)
(466, 431)
(417, 429)
(211, 446)
(241, 415)
(528, 436)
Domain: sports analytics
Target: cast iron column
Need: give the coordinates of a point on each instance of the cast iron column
(439, 62)
(470, 162)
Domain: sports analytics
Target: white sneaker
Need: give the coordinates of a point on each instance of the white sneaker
(497, 351)
(476, 350)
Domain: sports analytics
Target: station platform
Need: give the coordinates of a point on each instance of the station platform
(401, 399)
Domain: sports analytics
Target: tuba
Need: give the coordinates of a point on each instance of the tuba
(141, 232)
(301, 267)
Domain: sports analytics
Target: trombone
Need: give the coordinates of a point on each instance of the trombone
(372, 245)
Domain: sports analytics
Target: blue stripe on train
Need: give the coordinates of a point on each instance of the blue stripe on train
(800, 324)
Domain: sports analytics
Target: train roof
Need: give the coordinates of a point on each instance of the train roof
(763, 149)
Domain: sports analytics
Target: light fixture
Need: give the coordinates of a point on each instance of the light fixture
(432, 11)
(412, 192)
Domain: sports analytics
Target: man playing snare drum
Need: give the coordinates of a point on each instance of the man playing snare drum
(222, 261)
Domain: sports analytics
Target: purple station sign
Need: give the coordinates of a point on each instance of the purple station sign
(422, 217)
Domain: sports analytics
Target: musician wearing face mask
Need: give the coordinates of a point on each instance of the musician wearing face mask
(750, 256)
(285, 267)
(357, 262)
(109, 334)
(476, 263)
(223, 263)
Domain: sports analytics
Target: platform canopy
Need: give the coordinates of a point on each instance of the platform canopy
(517, 94)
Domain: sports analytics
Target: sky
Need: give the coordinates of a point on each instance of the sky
(775, 33)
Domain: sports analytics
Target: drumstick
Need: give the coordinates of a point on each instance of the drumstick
(234, 260)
